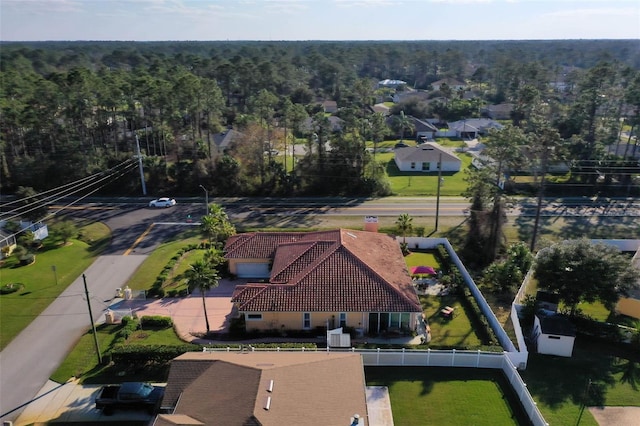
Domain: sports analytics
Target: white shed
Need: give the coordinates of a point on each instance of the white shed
(553, 334)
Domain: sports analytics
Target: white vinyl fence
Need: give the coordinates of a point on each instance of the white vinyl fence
(430, 358)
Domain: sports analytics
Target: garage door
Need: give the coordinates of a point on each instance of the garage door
(253, 270)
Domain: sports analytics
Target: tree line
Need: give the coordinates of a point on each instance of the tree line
(70, 109)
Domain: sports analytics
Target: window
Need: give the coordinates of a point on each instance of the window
(306, 320)
(405, 317)
(413, 165)
(254, 317)
(395, 319)
(554, 337)
(343, 319)
(426, 166)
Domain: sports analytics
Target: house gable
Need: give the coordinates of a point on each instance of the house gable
(352, 271)
(233, 388)
(427, 153)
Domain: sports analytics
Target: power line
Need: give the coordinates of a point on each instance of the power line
(78, 186)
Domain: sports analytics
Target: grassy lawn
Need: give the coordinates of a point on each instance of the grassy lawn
(18, 309)
(82, 362)
(416, 258)
(451, 396)
(455, 331)
(559, 385)
(147, 273)
(422, 184)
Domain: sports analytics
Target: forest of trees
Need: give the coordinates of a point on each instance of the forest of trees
(73, 109)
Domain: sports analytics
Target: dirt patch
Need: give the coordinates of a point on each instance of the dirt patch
(616, 416)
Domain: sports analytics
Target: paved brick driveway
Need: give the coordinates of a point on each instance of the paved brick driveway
(187, 312)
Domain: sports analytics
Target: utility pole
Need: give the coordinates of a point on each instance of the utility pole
(536, 224)
(93, 326)
(438, 191)
(144, 187)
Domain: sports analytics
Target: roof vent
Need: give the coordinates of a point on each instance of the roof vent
(270, 389)
(268, 404)
(351, 235)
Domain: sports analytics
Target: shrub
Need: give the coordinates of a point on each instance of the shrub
(19, 251)
(27, 259)
(156, 321)
(11, 288)
(142, 355)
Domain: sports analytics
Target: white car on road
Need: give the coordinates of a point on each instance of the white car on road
(162, 202)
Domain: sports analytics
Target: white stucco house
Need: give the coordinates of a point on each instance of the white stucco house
(553, 334)
(425, 158)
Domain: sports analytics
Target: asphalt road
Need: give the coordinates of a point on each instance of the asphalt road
(30, 359)
(132, 217)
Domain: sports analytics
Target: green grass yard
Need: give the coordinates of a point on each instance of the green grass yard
(561, 385)
(146, 274)
(18, 309)
(451, 396)
(424, 184)
(82, 362)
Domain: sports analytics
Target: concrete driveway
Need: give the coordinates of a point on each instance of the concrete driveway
(187, 312)
(72, 402)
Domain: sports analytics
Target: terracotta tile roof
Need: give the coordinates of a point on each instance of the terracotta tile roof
(262, 245)
(326, 388)
(335, 271)
(291, 259)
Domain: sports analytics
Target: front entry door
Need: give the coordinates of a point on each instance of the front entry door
(373, 323)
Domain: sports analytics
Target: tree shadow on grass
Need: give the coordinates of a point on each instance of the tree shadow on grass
(583, 378)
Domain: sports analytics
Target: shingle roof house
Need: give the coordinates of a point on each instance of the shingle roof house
(224, 139)
(425, 158)
(223, 388)
(322, 279)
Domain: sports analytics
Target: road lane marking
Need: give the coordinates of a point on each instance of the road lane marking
(140, 238)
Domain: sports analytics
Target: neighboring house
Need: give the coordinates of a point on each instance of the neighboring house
(264, 389)
(380, 108)
(630, 306)
(423, 129)
(425, 157)
(497, 112)
(414, 94)
(339, 278)
(470, 128)
(330, 107)
(451, 82)
(553, 334)
(223, 140)
(335, 124)
(6, 240)
(393, 84)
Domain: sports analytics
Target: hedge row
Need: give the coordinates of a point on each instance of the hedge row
(282, 345)
(156, 288)
(478, 319)
(143, 355)
(156, 321)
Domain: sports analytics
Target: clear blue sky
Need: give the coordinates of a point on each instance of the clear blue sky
(146, 20)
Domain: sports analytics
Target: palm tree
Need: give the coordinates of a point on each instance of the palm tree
(404, 225)
(402, 123)
(202, 276)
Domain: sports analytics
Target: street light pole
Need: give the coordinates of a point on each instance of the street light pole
(438, 192)
(206, 200)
